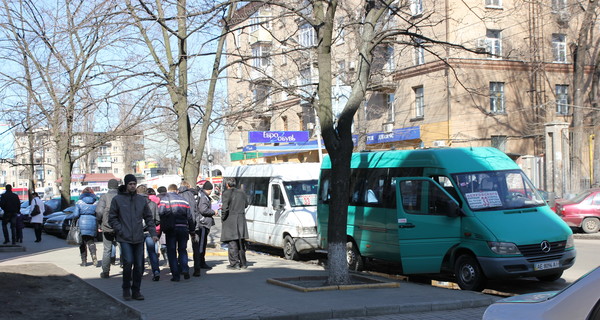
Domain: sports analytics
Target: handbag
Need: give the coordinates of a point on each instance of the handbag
(74, 235)
(36, 210)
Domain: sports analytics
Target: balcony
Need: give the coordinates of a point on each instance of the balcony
(261, 73)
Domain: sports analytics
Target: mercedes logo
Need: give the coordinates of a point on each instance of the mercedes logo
(545, 246)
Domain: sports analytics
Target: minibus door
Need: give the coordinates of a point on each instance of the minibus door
(428, 224)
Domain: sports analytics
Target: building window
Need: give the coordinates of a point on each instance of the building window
(494, 43)
(305, 76)
(390, 64)
(497, 97)
(390, 108)
(116, 170)
(493, 3)
(419, 102)
(307, 35)
(260, 93)
(562, 99)
(260, 54)
(499, 142)
(419, 52)
(559, 5)
(559, 47)
(416, 7)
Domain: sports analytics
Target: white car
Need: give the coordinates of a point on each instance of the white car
(580, 300)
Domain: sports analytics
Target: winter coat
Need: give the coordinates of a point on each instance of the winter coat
(205, 212)
(20, 221)
(102, 210)
(233, 215)
(189, 195)
(154, 198)
(40, 217)
(85, 212)
(10, 204)
(154, 210)
(127, 210)
(174, 211)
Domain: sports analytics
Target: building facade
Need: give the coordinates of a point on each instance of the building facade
(463, 73)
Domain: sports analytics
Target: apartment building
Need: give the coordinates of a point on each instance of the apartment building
(473, 73)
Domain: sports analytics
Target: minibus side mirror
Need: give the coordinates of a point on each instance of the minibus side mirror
(453, 210)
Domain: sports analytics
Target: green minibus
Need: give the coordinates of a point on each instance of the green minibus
(470, 212)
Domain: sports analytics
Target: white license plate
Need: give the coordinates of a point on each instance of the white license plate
(546, 265)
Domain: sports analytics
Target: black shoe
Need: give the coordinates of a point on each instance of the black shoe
(126, 294)
(156, 276)
(244, 266)
(113, 261)
(5, 242)
(104, 275)
(34, 241)
(205, 266)
(233, 267)
(186, 275)
(174, 280)
(196, 273)
(137, 296)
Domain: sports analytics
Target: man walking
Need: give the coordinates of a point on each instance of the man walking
(177, 223)
(108, 234)
(234, 230)
(189, 194)
(127, 210)
(204, 220)
(11, 205)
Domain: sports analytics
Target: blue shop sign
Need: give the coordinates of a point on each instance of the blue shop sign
(402, 134)
(277, 136)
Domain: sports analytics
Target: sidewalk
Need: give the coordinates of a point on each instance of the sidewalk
(245, 294)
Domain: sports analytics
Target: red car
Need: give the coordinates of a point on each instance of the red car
(583, 211)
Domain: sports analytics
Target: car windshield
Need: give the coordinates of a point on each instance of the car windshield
(580, 197)
(25, 204)
(301, 193)
(498, 190)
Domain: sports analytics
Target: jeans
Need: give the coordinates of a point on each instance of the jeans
(13, 227)
(133, 265)
(177, 252)
(152, 255)
(109, 242)
(199, 247)
(37, 229)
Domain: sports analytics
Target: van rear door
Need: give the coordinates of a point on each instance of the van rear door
(429, 224)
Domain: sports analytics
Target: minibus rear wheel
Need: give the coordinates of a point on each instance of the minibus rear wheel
(289, 248)
(469, 275)
(355, 260)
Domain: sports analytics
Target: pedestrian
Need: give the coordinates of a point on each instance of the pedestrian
(178, 224)
(204, 220)
(162, 191)
(109, 241)
(234, 229)
(11, 205)
(190, 195)
(36, 218)
(127, 210)
(20, 225)
(150, 243)
(85, 215)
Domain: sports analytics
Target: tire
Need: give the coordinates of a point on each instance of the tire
(590, 225)
(355, 260)
(289, 249)
(468, 273)
(551, 277)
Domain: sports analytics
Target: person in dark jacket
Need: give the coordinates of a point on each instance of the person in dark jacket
(177, 223)
(11, 205)
(234, 229)
(85, 215)
(190, 195)
(204, 220)
(108, 234)
(151, 246)
(127, 210)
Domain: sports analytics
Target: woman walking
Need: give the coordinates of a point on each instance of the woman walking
(85, 213)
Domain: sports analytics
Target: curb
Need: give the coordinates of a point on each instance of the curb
(12, 248)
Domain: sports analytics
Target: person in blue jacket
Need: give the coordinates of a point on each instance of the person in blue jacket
(85, 215)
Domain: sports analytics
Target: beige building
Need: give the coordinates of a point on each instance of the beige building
(505, 81)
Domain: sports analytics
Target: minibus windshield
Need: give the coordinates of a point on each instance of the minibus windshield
(301, 193)
(498, 190)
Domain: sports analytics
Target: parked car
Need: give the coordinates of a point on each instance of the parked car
(52, 206)
(56, 223)
(583, 211)
(25, 212)
(577, 301)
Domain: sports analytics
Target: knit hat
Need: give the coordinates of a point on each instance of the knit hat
(113, 184)
(207, 186)
(129, 178)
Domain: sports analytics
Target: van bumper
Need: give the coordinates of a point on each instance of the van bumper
(513, 267)
(306, 244)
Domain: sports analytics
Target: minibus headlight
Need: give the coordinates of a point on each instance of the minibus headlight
(307, 230)
(570, 244)
(504, 248)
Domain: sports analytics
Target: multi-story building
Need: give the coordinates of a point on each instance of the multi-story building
(471, 73)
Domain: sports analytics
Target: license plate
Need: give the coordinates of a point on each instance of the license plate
(546, 265)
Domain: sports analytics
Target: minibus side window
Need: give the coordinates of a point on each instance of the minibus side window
(261, 187)
(446, 183)
(424, 198)
(277, 199)
(325, 187)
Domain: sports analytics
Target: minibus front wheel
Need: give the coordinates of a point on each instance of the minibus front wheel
(355, 260)
(469, 275)
(289, 248)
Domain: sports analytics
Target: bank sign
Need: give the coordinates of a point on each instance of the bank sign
(277, 136)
